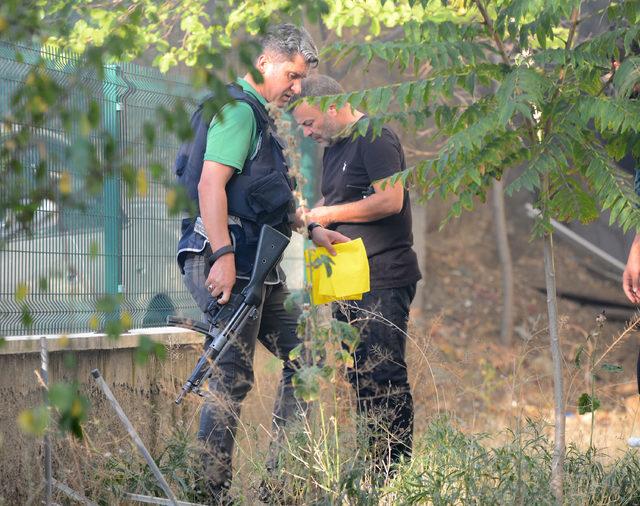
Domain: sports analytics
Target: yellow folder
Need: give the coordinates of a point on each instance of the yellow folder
(349, 273)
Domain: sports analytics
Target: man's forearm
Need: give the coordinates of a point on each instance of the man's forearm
(372, 208)
(214, 213)
(633, 259)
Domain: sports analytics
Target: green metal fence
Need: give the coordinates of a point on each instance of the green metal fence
(117, 244)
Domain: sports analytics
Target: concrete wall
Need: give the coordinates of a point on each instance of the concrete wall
(146, 393)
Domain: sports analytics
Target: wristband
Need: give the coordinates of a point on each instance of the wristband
(225, 250)
(311, 226)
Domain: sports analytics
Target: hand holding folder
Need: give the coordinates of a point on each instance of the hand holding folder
(349, 273)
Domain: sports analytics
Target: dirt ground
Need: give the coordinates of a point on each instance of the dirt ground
(490, 386)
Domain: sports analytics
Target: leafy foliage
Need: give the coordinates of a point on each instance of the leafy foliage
(148, 347)
(612, 367)
(587, 404)
(509, 86)
(328, 347)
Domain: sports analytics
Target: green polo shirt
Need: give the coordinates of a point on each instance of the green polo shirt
(234, 137)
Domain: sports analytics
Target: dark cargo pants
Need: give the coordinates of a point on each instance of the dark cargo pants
(275, 328)
(379, 375)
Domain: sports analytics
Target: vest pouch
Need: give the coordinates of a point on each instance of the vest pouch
(181, 162)
(269, 197)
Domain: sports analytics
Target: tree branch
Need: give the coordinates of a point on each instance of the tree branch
(563, 71)
(572, 30)
(489, 24)
(503, 53)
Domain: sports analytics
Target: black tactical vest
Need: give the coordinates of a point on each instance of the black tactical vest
(260, 194)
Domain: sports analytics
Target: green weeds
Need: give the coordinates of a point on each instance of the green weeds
(324, 463)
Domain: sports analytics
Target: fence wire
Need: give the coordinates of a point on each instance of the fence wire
(114, 243)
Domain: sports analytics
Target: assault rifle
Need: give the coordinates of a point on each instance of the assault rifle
(227, 320)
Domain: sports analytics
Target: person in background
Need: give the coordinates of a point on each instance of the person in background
(631, 274)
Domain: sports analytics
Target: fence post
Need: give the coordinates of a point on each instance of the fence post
(111, 117)
(308, 149)
(44, 373)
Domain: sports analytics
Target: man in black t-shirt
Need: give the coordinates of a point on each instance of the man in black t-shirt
(357, 204)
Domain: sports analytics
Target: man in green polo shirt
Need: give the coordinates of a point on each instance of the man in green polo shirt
(235, 138)
(244, 184)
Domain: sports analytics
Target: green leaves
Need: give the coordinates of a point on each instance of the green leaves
(612, 368)
(72, 408)
(21, 293)
(34, 421)
(108, 303)
(587, 404)
(375, 100)
(148, 347)
(323, 260)
(537, 112)
(527, 23)
(617, 115)
(627, 76)
(614, 191)
(306, 381)
(405, 54)
(346, 334)
(522, 89)
(311, 356)
(295, 300)
(629, 9)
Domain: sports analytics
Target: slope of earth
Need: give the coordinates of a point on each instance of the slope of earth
(461, 366)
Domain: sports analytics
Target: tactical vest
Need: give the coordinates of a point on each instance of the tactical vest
(260, 194)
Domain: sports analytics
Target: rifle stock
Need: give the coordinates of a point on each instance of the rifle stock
(271, 246)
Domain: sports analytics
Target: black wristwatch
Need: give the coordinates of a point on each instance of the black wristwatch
(310, 228)
(225, 250)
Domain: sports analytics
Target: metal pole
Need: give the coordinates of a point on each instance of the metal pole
(571, 235)
(309, 150)
(157, 500)
(111, 194)
(134, 435)
(44, 372)
(68, 491)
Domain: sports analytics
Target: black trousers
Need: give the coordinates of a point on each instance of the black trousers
(379, 375)
(275, 328)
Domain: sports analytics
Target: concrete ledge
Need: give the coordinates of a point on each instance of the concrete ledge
(170, 336)
(146, 391)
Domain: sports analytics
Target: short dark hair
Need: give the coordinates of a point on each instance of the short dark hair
(318, 85)
(288, 40)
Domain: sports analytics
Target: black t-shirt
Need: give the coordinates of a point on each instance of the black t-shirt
(349, 168)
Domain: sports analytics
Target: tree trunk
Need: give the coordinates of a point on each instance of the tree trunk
(557, 463)
(506, 267)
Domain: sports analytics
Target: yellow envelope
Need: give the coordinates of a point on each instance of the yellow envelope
(349, 277)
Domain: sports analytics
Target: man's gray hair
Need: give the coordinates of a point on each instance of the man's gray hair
(288, 40)
(318, 85)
